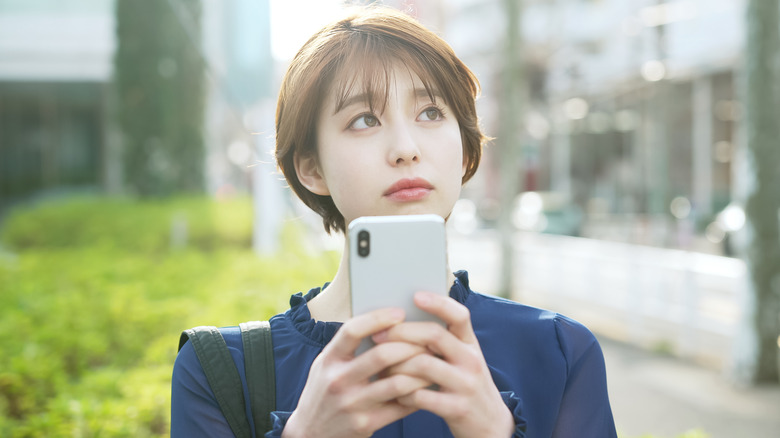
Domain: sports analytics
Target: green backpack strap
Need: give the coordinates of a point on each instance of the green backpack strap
(260, 372)
(222, 375)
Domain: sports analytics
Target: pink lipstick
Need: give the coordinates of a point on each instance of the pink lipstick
(408, 189)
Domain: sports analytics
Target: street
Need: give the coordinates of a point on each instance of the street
(666, 396)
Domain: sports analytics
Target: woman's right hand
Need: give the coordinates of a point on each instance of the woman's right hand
(339, 398)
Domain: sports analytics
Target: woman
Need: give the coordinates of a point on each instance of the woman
(376, 116)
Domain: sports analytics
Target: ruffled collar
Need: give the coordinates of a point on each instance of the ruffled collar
(321, 332)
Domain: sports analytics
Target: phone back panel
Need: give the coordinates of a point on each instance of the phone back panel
(407, 254)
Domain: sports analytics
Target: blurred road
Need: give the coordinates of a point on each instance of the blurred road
(651, 393)
(666, 396)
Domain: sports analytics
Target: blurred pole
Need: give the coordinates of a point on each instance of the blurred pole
(560, 159)
(249, 78)
(702, 146)
(561, 141)
(762, 255)
(509, 141)
(561, 155)
(267, 188)
(659, 145)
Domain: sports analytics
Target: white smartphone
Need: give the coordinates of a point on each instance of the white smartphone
(393, 257)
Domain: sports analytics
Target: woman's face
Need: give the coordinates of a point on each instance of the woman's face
(408, 159)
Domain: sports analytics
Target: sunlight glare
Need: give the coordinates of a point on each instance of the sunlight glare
(294, 21)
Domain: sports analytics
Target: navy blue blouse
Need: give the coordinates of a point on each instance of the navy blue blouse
(548, 368)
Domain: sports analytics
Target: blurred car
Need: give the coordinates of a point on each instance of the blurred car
(547, 212)
(725, 225)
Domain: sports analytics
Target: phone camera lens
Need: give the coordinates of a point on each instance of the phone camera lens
(363, 243)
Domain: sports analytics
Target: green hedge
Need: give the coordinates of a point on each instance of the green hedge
(128, 225)
(94, 298)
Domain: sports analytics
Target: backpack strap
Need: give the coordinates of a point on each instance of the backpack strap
(222, 375)
(260, 372)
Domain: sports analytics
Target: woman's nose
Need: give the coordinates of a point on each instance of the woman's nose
(403, 146)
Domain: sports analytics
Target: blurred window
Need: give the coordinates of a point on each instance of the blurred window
(50, 136)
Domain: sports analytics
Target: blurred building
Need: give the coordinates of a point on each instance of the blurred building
(631, 112)
(56, 67)
(55, 64)
(643, 113)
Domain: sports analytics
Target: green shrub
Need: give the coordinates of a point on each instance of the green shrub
(90, 316)
(128, 225)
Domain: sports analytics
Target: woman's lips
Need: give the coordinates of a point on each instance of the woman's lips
(409, 189)
(406, 195)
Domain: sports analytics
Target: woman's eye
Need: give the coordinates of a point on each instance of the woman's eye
(431, 114)
(364, 122)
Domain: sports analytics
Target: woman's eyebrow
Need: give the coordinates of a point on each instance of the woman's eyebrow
(365, 98)
(425, 93)
(362, 98)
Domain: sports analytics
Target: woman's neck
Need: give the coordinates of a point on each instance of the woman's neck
(334, 302)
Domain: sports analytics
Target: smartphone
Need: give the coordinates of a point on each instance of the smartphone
(393, 257)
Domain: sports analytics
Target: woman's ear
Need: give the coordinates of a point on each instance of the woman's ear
(309, 174)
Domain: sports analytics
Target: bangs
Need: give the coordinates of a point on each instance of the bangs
(369, 65)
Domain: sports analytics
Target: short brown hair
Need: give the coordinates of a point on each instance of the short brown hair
(368, 42)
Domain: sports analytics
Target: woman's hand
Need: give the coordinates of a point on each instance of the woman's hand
(467, 398)
(339, 399)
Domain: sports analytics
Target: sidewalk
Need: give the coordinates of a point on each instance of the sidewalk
(666, 396)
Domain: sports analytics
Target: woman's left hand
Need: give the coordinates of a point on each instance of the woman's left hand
(467, 399)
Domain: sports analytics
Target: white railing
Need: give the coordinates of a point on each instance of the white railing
(679, 302)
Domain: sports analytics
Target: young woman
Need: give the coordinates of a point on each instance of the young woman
(376, 116)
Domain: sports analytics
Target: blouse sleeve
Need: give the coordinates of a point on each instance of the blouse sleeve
(585, 409)
(194, 409)
(515, 406)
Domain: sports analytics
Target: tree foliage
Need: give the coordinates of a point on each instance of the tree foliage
(159, 78)
(762, 102)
